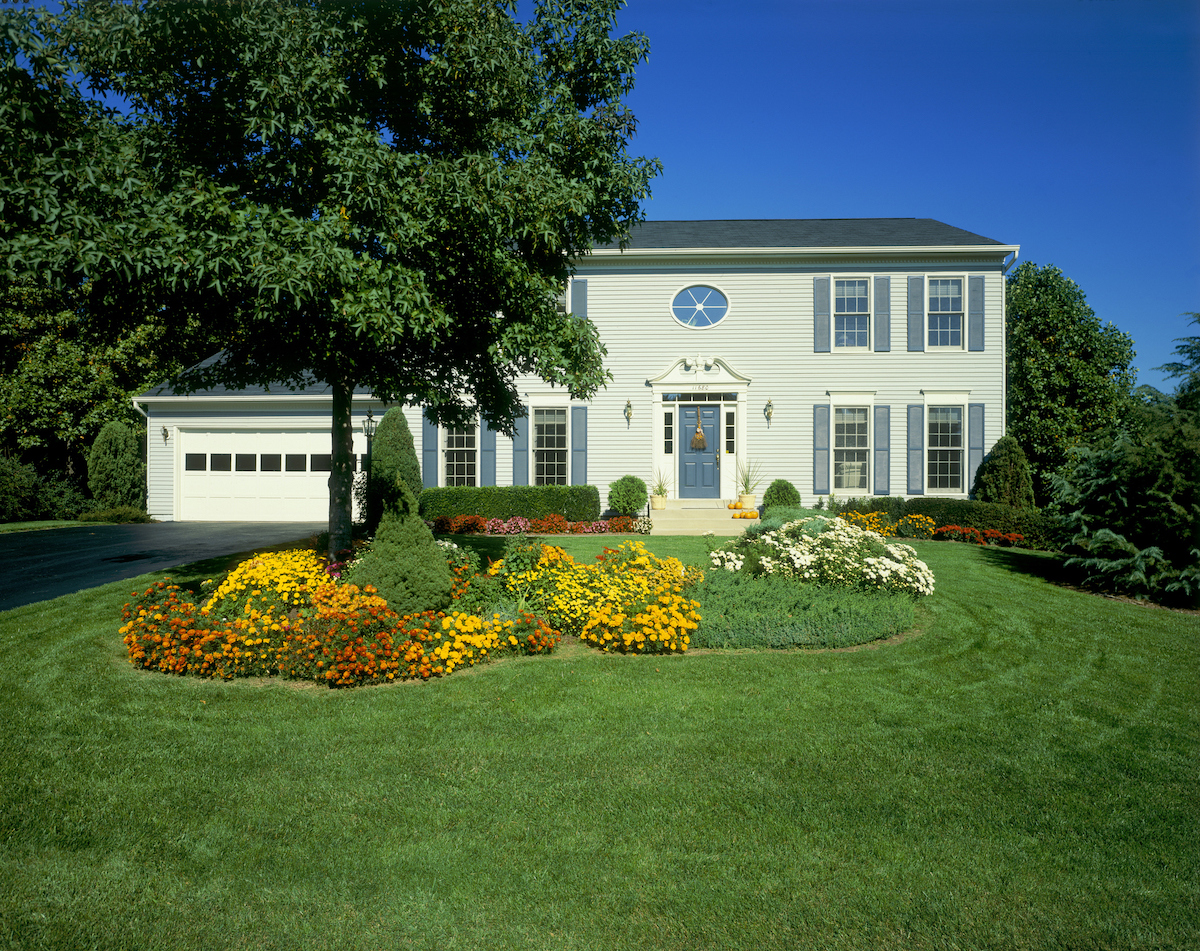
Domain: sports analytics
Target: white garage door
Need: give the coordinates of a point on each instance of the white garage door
(254, 476)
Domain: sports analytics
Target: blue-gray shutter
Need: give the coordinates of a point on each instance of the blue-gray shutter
(578, 445)
(883, 315)
(916, 314)
(579, 298)
(487, 454)
(820, 315)
(974, 442)
(916, 449)
(429, 453)
(521, 449)
(883, 446)
(975, 312)
(821, 449)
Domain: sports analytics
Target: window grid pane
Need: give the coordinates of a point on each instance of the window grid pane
(669, 433)
(460, 456)
(945, 312)
(945, 448)
(850, 447)
(851, 322)
(549, 447)
(729, 431)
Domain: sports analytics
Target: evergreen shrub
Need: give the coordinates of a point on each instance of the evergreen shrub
(780, 492)
(393, 460)
(1004, 476)
(576, 503)
(120, 515)
(116, 475)
(405, 564)
(18, 491)
(627, 495)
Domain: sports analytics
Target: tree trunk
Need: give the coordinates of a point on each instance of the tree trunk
(341, 476)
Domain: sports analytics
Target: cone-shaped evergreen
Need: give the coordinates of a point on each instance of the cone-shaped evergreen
(405, 563)
(116, 475)
(393, 457)
(1004, 476)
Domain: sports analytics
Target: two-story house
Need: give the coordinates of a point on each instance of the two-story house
(854, 356)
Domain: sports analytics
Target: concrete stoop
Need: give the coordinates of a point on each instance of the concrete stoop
(695, 517)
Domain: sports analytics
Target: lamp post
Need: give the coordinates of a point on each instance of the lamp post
(368, 431)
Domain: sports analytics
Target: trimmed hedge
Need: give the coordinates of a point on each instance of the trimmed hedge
(577, 503)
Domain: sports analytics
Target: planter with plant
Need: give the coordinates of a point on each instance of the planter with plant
(749, 477)
(660, 488)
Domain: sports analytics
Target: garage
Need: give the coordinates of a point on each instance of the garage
(274, 476)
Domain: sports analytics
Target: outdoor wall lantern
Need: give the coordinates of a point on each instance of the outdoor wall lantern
(165, 435)
(628, 412)
(769, 411)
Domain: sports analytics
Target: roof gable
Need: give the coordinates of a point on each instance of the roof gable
(800, 233)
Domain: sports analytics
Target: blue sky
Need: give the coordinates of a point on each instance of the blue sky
(1069, 127)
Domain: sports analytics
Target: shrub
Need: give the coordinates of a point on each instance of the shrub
(829, 552)
(1004, 476)
(1128, 506)
(780, 492)
(18, 491)
(393, 460)
(405, 564)
(121, 515)
(577, 503)
(627, 495)
(116, 476)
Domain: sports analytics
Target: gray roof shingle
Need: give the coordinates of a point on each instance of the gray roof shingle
(800, 233)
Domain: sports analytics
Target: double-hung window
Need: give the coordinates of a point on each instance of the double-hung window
(851, 313)
(461, 458)
(850, 447)
(945, 449)
(550, 447)
(945, 312)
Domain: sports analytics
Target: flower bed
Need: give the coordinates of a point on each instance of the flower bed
(630, 601)
(828, 551)
(280, 614)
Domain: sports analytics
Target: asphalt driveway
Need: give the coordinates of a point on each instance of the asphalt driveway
(45, 564)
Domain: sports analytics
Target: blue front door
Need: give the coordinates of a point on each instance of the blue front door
(700, 460)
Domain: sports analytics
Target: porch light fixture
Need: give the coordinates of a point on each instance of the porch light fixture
(769, 411)
(369, 425)
(628, 411)
(165, 435)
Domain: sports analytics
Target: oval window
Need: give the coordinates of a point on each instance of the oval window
(699, 306)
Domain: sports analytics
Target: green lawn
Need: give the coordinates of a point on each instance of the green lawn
(1019, 773)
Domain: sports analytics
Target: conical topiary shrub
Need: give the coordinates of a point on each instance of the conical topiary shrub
(1004, 476)
(405, 564)
(393, 457)
(116, 475)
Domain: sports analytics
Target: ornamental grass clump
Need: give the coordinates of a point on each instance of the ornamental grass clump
(830, 552)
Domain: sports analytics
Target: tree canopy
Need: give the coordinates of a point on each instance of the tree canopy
(1187, 367)
(379, 194)
(1069, 375)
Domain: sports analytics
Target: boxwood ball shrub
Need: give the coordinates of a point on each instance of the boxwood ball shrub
(628, 496)
(780, 492)
(405, 564)
(116, 476)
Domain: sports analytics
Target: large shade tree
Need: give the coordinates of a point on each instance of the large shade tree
(378, 194)
(1069, 375)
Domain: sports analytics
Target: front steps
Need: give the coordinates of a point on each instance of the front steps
(695, 517)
